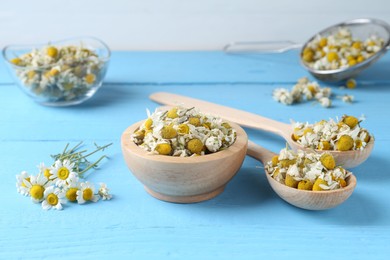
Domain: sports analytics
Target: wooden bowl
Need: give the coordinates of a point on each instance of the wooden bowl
(305, 199)
(184, 179)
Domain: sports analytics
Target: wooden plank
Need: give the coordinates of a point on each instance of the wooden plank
(192, 242)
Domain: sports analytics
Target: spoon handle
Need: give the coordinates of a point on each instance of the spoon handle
(259, 153)
(261, 47)
(240, 117)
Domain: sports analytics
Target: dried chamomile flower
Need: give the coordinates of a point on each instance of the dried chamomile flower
(351, 84)
(60, 72)
(183, 132)
(56, 184)
(283, 96)
(347, 98)
(340, 50)
(343, 135)
(325, 102)
(307, 171)
(304, 90)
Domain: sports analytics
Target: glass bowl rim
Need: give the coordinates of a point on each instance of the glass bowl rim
(105, 58)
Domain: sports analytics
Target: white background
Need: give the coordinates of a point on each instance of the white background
(177, 24)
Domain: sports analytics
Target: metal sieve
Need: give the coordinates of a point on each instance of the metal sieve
(361, 28)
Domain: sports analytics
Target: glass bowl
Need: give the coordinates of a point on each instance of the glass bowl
(60, 73)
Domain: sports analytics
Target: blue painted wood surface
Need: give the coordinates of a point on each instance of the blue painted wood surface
(247, 221)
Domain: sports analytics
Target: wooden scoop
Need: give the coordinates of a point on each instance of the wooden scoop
(312, 200)
(347, 159)
(171, 179)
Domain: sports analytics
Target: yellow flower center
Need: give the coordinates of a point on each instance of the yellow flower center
(148, 124)
(54, 72)
(332, 56)
(71, 194)
(164, 149)
(52, 199)
(172, 113)
(90, 78)
(87, 194)
(31, 74)
(195, 146)
(36, 192)
(52, 52)
(358, 143)
(16, 61)
(47, 173)
(63, 173)
(183, 129)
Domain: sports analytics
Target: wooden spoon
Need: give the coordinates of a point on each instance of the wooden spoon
(312, 200)
(347, 159)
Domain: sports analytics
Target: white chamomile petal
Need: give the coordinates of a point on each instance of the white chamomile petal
(23, 183)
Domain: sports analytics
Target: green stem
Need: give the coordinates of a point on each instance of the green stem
(71, 155)
(92, 165)
(100, 148)
(74, 148)
(66, 147)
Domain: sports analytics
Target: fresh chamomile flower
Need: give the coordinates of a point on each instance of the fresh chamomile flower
(45, 170)
(86, 193)
(62, 171)
(53, 198)
(21, 187)
(104, 192)
(37, 186)
(73, 185)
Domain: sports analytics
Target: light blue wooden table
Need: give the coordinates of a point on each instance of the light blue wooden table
(247, 221)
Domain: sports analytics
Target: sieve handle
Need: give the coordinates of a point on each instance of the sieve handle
(261, 47)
